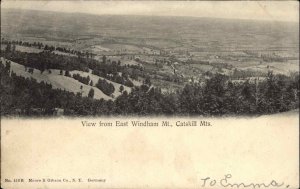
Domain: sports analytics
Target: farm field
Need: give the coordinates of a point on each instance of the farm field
(197, 39)
(284, 68)
(165, 48)
(28, 49)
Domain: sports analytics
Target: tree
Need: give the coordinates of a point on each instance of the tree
(191, 99)
(105, 87)
(46, 48)
(134, 74)
(13, 48)
(91, 93)
(121, 88)
(91, 83)
(147, 81)
(42, 67)
(213, 95)
(7, 66)
(60, 72)
(8, 47)
(67, 73)
(104, 59)
(30, 70)
(272, 93)
(248, 97)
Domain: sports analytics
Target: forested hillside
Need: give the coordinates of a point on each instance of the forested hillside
(218, 96)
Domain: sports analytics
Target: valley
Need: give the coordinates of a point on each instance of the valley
(103, 56)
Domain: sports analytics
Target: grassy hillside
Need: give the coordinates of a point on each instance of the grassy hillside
(59, 81)
(95, 79)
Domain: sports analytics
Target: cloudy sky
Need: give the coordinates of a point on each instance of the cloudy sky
(258, 10)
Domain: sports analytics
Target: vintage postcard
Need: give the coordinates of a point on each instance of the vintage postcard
(149, 94)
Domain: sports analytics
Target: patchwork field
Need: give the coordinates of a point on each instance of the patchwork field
(196, 45)
(28, 49)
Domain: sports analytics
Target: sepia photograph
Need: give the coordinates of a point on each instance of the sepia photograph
(148, 58)
(149, 94)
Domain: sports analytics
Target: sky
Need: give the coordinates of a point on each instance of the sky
(257, 10)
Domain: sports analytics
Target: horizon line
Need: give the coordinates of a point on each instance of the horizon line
(176, 16)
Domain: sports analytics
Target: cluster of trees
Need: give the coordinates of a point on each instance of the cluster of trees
(106, 87)
(79, 54)
(124, 80)
(27, 97)
(218, 96)
(192, 61)
(113, 72)
(46, 47)
(242, 74)
(82, 79)
(10, 48)
(49, 48)
(273, 58)
(46, 60)
(67, 73)
(22, 43)
(22, 95)
(221, 65)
